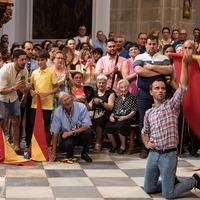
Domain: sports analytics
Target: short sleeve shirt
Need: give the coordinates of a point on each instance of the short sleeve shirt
(157, 59)
(78, 117)
(8, 77)
(43, 81)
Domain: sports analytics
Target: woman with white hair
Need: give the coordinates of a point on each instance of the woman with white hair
(101, 105)
(124, 111)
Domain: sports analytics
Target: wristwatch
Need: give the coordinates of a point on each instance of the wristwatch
(73, 133)
(13, 89)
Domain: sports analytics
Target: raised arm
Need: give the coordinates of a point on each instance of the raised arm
(184, 71)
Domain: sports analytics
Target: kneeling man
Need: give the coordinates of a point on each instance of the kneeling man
(71, 124)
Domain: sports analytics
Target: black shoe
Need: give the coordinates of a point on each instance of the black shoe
(85, 157)
(197, 177)
(121, 151)
(113, 149)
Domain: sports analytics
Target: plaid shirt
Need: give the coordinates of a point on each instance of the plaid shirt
(161, 123)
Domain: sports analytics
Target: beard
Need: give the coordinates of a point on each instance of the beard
(112, 53)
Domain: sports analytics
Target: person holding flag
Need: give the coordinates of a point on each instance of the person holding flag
(160, 136)
(44, 83)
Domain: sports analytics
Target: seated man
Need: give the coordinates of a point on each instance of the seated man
(71, 122)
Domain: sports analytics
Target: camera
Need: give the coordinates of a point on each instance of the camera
(22, 78)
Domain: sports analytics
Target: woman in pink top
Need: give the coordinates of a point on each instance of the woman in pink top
(128, 70)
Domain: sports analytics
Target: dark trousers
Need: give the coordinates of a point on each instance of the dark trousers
(84, 139)
(145, 101)
(29, 125)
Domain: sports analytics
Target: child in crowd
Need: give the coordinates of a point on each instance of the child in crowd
(44, 83)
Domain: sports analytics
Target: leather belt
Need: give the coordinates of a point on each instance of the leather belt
(163, 151)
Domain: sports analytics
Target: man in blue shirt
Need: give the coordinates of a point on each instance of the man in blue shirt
(71, 124)
(100, 42)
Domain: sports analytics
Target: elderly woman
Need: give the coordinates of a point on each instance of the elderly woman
(125, 109)
(101, 105)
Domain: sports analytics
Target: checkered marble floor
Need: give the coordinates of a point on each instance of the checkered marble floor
(109, 176)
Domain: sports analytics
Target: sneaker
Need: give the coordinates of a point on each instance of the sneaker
(197, 177)
(23, 142)
(10, 140)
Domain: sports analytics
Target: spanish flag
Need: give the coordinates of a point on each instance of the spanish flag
(8, 155)
(190, 104)
(38, 146)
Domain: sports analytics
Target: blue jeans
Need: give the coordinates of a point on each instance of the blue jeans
(165, 165)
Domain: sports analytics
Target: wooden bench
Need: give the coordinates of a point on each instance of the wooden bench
(132, 131)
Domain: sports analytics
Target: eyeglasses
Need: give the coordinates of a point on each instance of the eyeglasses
(59, 58)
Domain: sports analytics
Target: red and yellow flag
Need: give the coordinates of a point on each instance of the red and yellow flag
(38, 146)
(8, 155)
(190, 104)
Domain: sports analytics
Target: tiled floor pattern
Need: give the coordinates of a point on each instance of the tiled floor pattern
(109, 176)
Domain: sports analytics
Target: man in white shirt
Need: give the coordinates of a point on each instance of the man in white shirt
(13, 77)
(81, 37)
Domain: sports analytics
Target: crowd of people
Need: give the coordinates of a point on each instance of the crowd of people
(90, 90)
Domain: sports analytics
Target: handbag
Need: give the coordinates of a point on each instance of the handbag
(95, 114)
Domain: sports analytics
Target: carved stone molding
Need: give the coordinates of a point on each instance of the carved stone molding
(5, 11)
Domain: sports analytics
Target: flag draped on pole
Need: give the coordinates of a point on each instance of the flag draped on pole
(190, 104)
(38, 146)
(9, 156)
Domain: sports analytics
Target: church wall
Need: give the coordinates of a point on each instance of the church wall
(131, 17)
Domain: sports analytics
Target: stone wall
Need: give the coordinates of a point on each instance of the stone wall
(130, 17)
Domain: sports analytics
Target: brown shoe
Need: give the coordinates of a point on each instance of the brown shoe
(144, 154)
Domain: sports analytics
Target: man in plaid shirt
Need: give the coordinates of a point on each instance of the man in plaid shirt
(160, 136)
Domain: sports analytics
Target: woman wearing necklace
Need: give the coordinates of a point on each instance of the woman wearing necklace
(61, 73)
(101, 106)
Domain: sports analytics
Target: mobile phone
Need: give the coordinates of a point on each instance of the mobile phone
(22, 78)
